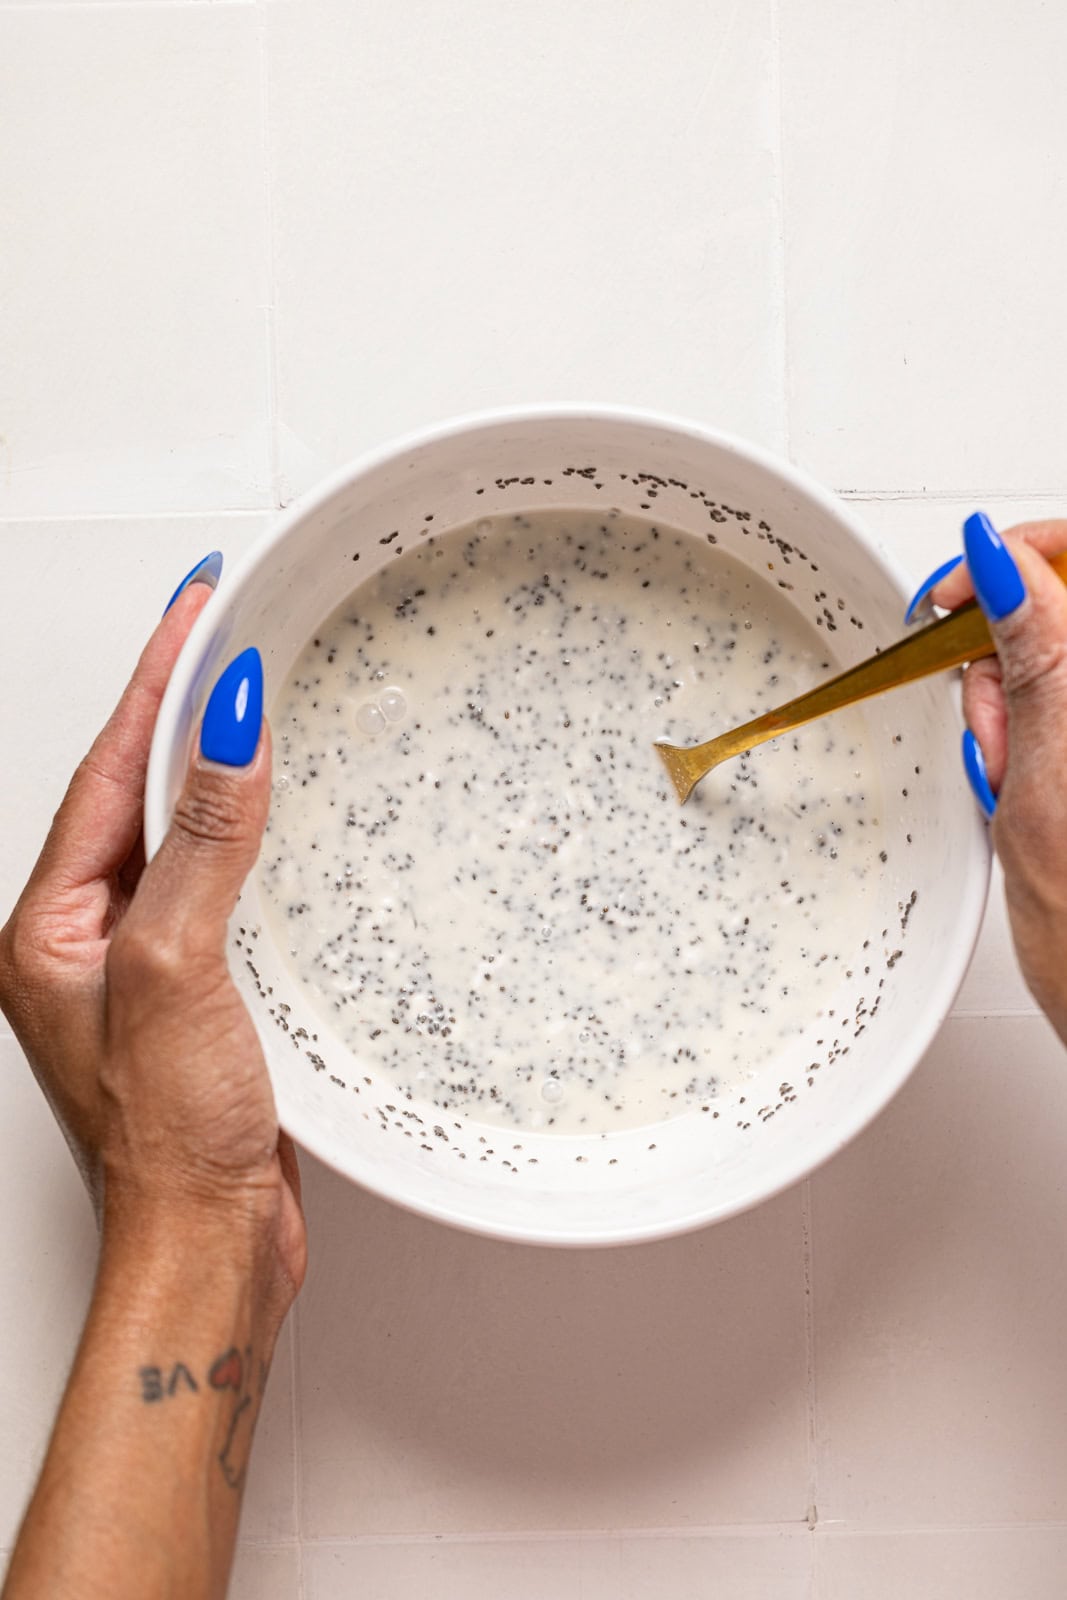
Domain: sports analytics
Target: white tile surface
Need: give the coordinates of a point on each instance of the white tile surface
(531, 201)
(940, 1291)
(979, 1563)
(48, 1263)
(265, 1573)
(133, 279)
(925, 243)
(750, 1567)
(920, 532)
(451, 1383)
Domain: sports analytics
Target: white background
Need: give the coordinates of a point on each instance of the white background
(243, 241)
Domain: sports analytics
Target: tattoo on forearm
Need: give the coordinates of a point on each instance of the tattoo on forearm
(233, 1371)
(155, 1385)
(229, 1374)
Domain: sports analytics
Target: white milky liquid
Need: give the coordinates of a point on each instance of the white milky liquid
(474, 859)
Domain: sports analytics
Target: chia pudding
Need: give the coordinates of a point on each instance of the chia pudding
(474, 859)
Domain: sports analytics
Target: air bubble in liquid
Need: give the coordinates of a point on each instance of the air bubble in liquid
(393, 704)
(552, 1090)
(369, 719)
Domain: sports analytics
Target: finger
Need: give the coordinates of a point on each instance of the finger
(99, 819)
(976, 775)
(1026, 606)
(920, 607)
(987, 716)
(188, 890)
(1048, 538)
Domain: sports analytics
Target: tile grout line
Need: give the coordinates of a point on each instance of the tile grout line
(892, 1530)
(298, 1442)
(268, 206)
(730, 1530)
(993, 1012)
(812, 1509)
(577, 1536)
(779, 209)
(969, 494)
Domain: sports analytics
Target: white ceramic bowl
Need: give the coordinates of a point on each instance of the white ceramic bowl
(694, 1170)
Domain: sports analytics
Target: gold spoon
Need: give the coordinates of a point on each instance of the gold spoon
(950, 642)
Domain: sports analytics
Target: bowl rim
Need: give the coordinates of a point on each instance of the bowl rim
(826, 1142)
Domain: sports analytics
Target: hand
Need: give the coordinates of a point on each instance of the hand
(1015, 704)
(114, 978)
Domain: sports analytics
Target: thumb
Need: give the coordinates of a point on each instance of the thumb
(191, 885)
(1025, 603)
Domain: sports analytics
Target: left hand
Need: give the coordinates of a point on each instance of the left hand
(115, 980)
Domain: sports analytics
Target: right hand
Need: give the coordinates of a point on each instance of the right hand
(1015, 704)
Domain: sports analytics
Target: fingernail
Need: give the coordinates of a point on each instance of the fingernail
(997, 580)
(974, 767)
(208, 571)
(230, 731)
(913, 613)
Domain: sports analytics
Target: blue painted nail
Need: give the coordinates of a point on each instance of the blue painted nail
(207, 571)
(913, 613)
(974, 767)
(234, 712)
(997, 580)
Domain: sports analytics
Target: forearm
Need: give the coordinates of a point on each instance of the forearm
(141, 1487)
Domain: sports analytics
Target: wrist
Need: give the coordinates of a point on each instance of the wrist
(141, 1488)
(214, 1252)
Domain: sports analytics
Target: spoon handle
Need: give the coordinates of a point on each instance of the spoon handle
(959, 637)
